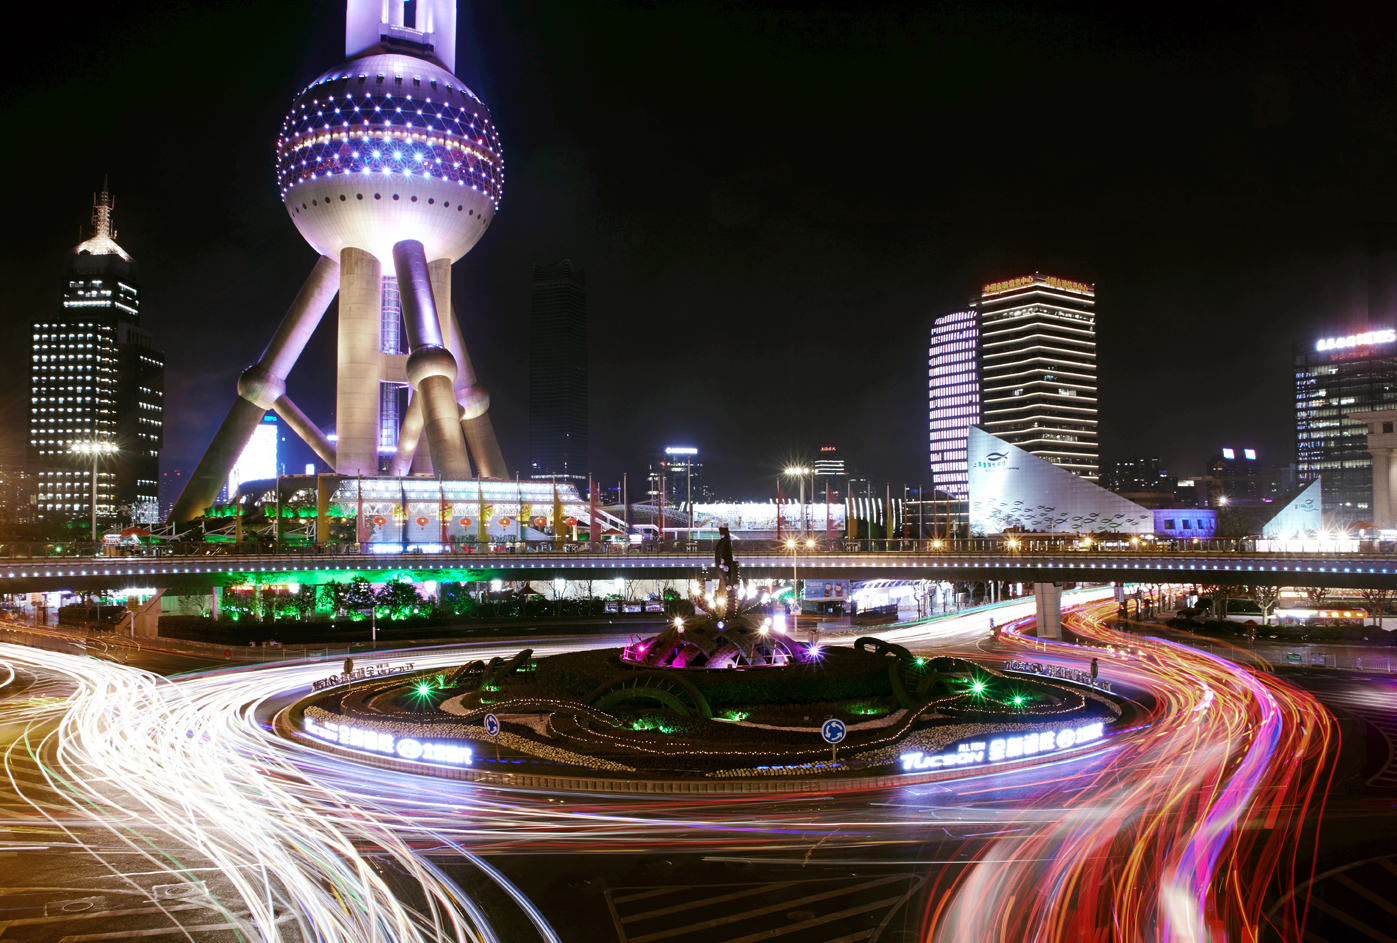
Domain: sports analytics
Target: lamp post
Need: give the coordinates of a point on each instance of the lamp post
(793, 546)
(799, 473)
(95, 449)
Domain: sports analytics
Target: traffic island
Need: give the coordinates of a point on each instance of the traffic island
(771, 711)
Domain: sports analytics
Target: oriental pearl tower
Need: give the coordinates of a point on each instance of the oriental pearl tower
(391, 169)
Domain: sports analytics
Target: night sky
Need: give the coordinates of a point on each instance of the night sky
(771, 205)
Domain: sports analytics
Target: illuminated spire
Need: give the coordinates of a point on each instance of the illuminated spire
(102, 206)
(103, 241)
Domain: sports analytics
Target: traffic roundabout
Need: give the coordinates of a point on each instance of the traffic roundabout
(757, 713)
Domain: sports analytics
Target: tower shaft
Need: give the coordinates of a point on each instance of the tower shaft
(358, 375)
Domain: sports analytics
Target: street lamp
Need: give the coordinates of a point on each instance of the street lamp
(793, 546)
(95, 449)
(799, 472)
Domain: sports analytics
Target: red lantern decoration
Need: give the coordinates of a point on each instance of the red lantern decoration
(570, 521)
(466, 522)
(422, 520)
(505, 522)
(380, 520)
(540, 522)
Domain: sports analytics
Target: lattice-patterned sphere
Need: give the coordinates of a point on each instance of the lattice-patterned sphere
(387, 148)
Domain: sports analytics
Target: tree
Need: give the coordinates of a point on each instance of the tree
(1267, 596)
(1220, 593)
(400, 598)
(302, 601)
(1316, 596)
(359, 595)
(331, 597)
(1377, 600)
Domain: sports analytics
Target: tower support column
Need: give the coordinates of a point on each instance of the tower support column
(259, 388)
(431, 370)
(356, 386)
(474, 398)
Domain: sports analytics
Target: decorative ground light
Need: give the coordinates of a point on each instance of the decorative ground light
(602, 710)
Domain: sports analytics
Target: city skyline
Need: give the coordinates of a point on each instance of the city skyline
(1270, 258)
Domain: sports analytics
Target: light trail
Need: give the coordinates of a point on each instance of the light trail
(1155, 848)
(1140, 842)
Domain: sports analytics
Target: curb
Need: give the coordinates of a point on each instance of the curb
(711, 787)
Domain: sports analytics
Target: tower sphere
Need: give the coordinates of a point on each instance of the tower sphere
(385, 148)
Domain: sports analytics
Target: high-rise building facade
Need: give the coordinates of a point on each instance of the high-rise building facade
(1336, 376)
(1021, 363)
(558, 373)
(831, 474)
(676, 477)
(96, 378)
(953, 375)
(1038, 368)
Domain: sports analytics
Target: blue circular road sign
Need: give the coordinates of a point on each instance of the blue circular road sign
(832, 731)
(492, 725)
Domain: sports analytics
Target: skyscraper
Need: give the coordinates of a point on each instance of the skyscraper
(953, 375)
(558, 373)
(1038, 368)
(1336, 377)
(831, 475)
(1021, 363)
(96, 377)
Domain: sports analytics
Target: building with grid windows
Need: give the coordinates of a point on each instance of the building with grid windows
(1038, 368)
(558, 373)
(1336, 377)
(96, 377)
(953, 377)
(1022, 364)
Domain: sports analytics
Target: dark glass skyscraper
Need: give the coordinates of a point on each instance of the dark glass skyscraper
(1334, 378)
(558, 373)
(96, 378)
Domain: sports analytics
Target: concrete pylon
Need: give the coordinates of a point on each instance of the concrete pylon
(1047, 599)
(360, 337)
(474, 398)
(431, 370)
(260, 387)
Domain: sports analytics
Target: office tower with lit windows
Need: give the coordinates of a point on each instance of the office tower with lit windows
(1335, 377)
(558, 373)
(831, 475)
(96, 377)
(1038, 368)
(953, 376)
(1021, 364)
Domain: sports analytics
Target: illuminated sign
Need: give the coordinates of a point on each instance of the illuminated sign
(1249, 454)
(258, 460)
(828, 448)
(681, 450)
(1067, 285)
(1000, 750)
(995, 288)
(1058, 672)
(1229, 454)
(373, 741)
(1357, 340)
(368, 671)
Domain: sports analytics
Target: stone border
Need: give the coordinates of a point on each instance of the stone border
(734, 786)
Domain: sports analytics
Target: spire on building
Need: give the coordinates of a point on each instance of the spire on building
(103, 241)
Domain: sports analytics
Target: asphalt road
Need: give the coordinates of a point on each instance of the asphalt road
(115, 832)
